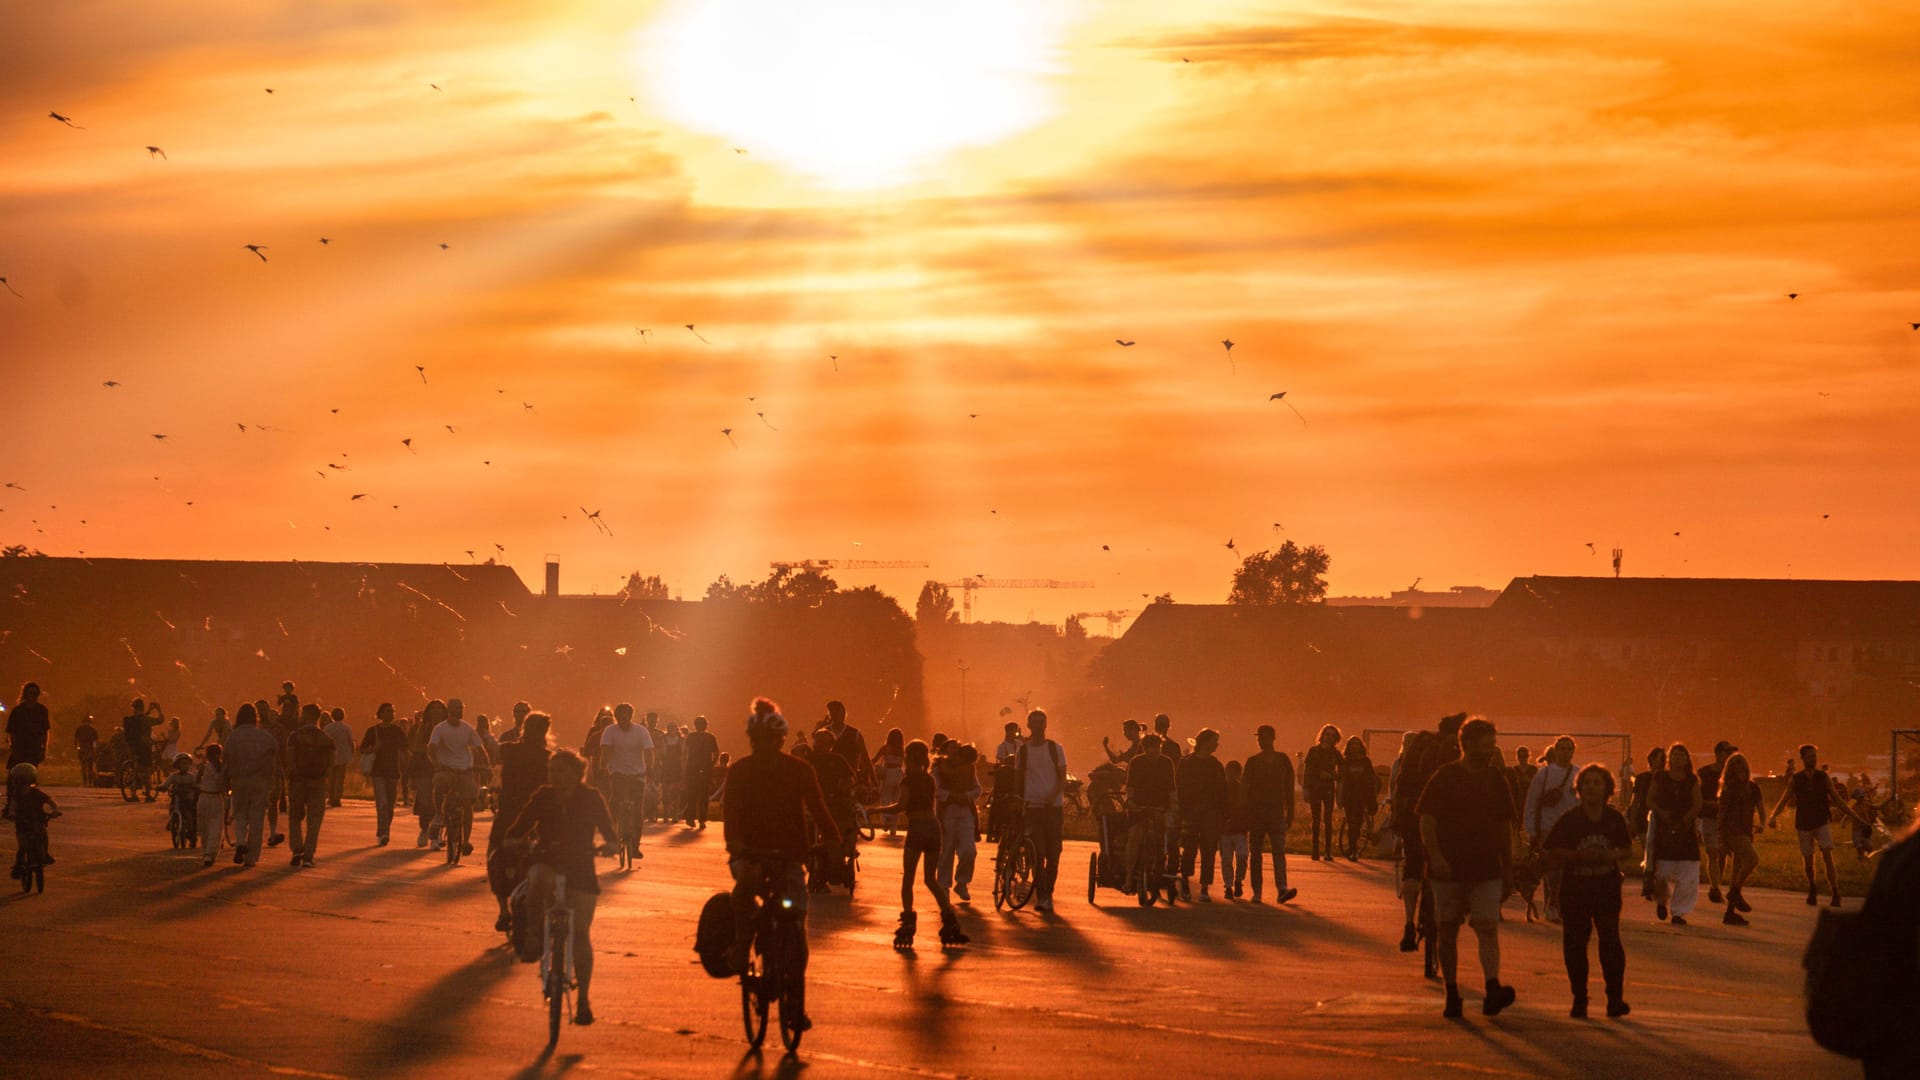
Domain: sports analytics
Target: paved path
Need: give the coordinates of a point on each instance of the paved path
(381, 962)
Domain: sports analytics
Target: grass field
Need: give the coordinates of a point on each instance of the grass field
(1779, 849)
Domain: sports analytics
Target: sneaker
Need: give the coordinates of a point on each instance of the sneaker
(1186, 888)
(1660, 911)
(1679, 920)
(239, 855)
(208, 861)
(466, 849)
(380, 841)
(307, 860)
(1740, 900)
(1409, 939)
(583, 1015)
(1833, 904)
(503, 923)
(1204, 898)
(1286, 895)
(297, 857)
(961, 892)
(1499, 996)
(439, 845)
(1256, 896)
(1044, 907)
(421, 842)
(1455, 1007)
(1617, 1008)
(1813, 897)
(1713, 896)
(1579, 1010)
(1732, 918)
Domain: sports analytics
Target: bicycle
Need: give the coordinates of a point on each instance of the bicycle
(128, 779)
(623, 816)
(1013, 869)
(556, 960)
(772, 973)
(862, 824)
(456, 815)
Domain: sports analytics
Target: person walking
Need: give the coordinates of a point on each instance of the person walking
(1233, 836)
(1740, 814)
(1549, 796)
(253, 763)
(923, 846)
(386, 740)
(1710, 842)
(1042, 766)
(1200, 783)
(426, 808)
(956, 792)
(86, 749)
(1812, 793)
(342, 737)
(1359, 794)
(1320, 783)
(1466, 818)
(310, 754)
(1673, 841)
(212, 784)
(890, 764)
(137, 726)
(1268, 776)
(703, 752)
(1640, 815)
(27, 728)
(1588, 844)
(217, 730)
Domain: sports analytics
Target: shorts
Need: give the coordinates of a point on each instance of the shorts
(448, 781)
(923, 833)
(1710, 837)
(792, 890)
(1456, 900)
(1740, 846)
(1822, 836)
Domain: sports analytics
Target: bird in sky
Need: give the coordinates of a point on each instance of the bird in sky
(1228, 342)
(1278, 528)
(269, 89)
(408, 443)
(156, 152)
(337, 467)
(241, 426)
(1104, 547)
(161, 438)
(443, 247)
(1281, 397)
(1916, 325)
(1793, 296)
(738, 150)
(1676, 534)
(110, 384)
(258, 249)
(527, 405)
(66, 120)
(10, 288)
(973, 416)
(358, 497)
(728, 432)
(696, 333)
(1123, 344)
(326, 240)
(436, 86)
(1824, 517)
(16, 487)
(422, 369)
(1229, 544)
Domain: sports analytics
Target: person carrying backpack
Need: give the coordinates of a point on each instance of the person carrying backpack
(310, 754)
(1863, 971)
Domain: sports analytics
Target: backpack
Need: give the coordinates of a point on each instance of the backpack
(1862, 986)
(1053, 751)
(312, 757)
(714, 935)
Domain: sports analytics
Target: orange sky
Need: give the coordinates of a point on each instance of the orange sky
(1522, 268)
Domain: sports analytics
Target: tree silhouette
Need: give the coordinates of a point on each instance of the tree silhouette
(1290, 575)
(649, 587)
(935, 606)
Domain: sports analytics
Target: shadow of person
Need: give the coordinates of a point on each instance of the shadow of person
(429, 1026)
(537, 1068)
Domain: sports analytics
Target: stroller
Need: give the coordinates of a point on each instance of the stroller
(1107, 802)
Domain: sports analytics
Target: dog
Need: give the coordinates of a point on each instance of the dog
(1524, 882)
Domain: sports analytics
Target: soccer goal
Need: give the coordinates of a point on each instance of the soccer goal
(1903, 766)
(1608, 748)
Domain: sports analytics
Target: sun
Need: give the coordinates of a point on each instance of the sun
(853, 93)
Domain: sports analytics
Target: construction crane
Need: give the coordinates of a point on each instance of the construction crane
(817, 565)
(981, 581)
(1113, 619)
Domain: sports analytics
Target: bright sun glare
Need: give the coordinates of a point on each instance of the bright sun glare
(854, 93)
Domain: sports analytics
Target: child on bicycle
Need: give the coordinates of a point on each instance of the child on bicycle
(31, 809)
(183, 791)
(922, 844)
(1233, 835)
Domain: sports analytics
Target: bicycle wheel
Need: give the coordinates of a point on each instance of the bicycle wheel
(556, 985)
(1000, 857)
(866, 827)
(791, 982)
(1020, 874)
(1093, 875)
(753, 1007)
(129, 777)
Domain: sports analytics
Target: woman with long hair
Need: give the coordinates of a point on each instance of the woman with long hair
(423, 807)
(1359, 794)
(891, 764)
(1673, 842)
(922, 847)
(1741, 813)
(1320, 782)
(1588, 843)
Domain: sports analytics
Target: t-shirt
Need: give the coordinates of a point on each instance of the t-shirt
(768, 799)
(1044, 763)
(1737, 808)
(1709, 775)
(455, 745)
(702, 750)
(625, 749)
(387, 742)
(1575, 831)
(1674, 839)
(1203, 788)
(1320, 772)
(1150, 781)
(251, 753)
(85, 738)
(565, 827)
(523, 770)
(1268, 776)
(342, 737)
(1359, 784)
(139, 732)
(1472, 809)
(916, 793)
(1810, 806)
(1007, 750)
(309, 753)
(1543, 807)
(27, 727)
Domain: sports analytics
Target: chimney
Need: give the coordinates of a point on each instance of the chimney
(553, 575)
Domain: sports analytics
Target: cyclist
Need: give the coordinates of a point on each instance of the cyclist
(456, 749)
(765, 828)
(564, 814)
(625, 749)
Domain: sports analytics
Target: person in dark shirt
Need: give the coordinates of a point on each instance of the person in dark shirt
(1590, 842)
(1202, 785)
(1359, 794)
(1150, 784)
(562, 817)
(387, 742)
(31, 810)
(922, 848)
(1709, 823)
(1268, 776)
(1319, 782)
(1466, 818)
(137, 726)
(1813, 795)
(1130, 731)
(523, 768)
(1740, 812)
(27, 728)
(702, 751)
(769, 793)
(86, 747)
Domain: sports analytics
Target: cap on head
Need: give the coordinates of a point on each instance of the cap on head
(1723, 748)
(1264, 733)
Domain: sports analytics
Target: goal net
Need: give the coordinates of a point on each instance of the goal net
(1904, 765)
(1607, 748)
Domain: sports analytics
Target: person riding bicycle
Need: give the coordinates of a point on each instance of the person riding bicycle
(456, 749)
(625, 751)
(563, 816)
(183, 794)
(769, 795)
(1150, 777)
